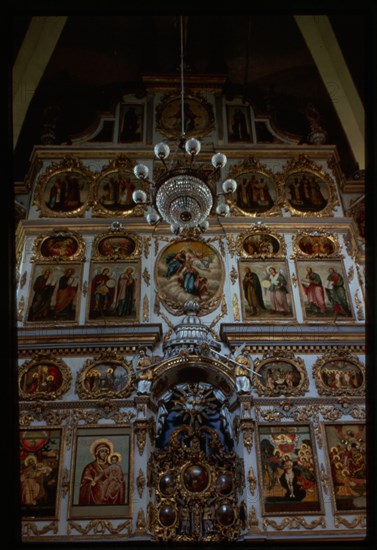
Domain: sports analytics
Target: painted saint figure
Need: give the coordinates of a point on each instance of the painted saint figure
(253, 291)
(314, 291)
(278, 292)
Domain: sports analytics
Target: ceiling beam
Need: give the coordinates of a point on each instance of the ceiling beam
(323, 45)
(32, 59)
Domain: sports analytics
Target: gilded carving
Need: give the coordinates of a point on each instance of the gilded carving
(43, 377)
(316, 244)
(97, 527)
(294, 523)
(280, 373)
(60, 245)
(258, 192)
(196, 489)
(146, 276)
(324, 479)
(233, 275)
(141, 430)
(308, 189)
(108, 375)
(231, 247)
(339, 373)
(359, 521)
(140, 522)
(23, 280)
(145, 309)
(116, 245)
(247, 429)
(30, 529)
(64, 190)
(252, 480)
(21, 309)
(146, 246)
(259, 241)
(236, 309)
(359, 307)
(140, 483)
(113, 188)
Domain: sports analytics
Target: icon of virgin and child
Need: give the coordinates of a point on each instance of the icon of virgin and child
(186, 266)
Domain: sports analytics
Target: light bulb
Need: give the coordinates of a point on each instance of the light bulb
(222, 209)
(218, 160)
(141, 171)
(162, 150)
(204, 226)
(174, 228)
(229, 186)
(139, 196)
(152, 217)
(192, 146)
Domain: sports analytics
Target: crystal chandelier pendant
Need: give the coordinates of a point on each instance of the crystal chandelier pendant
(184, 200)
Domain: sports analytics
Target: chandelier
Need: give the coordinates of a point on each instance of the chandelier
(183, 196)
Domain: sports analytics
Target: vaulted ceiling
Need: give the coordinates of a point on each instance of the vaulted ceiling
(271, 60)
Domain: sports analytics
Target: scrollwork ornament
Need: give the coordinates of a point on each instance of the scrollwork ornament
(146, 277)
(21, 309)
(65, 482)
(252, 480)
(30, 529)
(247, 429)
(23, 280)
(141, 430)
(324, 479)
(358, 521)
(236, 309)
(253, 520)
(146, 309)
(140, 483)
(233, 275)
(146, 246)
(359, 307)
(293, 523)
(100, 527)
(231, 247)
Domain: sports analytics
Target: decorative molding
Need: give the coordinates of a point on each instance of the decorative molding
(252, 480)
(146, 309)
(358, 521)
(146, 276)
(324, 479)
(293, 523)
(140, 483)
(100, 527)
(233, 275)
(236, 309)
(247, 428)
(30, 528)
(141, 430)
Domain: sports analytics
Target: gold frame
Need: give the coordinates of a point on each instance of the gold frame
(69, 165)
(60, 269)
(286, 428)
(319, 266)
(261, 267)
(117, 253)
(253, 165)
(171, 300)
(283, 359)
(260, 230)
(58, 497)
(343, 475)
(45, 360)
(59, 235)
(337, 356)
(110, 360)
(101, 434)
(304, 164)
(172, 101)
(116, 268)
(120, 167)
(317, 236)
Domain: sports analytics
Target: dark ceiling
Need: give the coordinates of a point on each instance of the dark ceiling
(264, 57)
